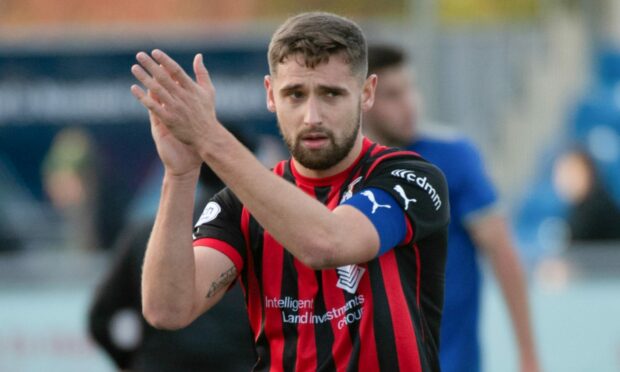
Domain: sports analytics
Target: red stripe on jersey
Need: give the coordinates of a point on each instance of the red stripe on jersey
(385, 157)
(224, 248)
(409, 234)
(306, 347)
(279, 168)
(334, 299)
(273, 259)
(404, 333)
(368, 359)
(252, 293)
(379, 147)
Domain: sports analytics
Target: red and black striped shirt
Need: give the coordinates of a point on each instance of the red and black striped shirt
(382, 315)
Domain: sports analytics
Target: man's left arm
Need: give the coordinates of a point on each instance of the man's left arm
(491, 235)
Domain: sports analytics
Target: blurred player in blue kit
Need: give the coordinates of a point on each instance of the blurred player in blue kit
(476, 225)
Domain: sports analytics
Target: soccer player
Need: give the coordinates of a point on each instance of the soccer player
(476, 226)
(340, 250)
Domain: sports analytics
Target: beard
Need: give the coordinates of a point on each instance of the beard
(328, 156)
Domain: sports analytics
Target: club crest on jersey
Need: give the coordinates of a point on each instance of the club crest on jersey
(211, 211)
(349, 193)
(349, 277)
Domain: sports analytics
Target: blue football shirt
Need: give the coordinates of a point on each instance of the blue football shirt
(471, 195)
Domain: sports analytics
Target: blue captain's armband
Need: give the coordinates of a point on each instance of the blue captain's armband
(385, 214)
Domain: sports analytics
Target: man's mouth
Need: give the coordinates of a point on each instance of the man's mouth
(314, 140)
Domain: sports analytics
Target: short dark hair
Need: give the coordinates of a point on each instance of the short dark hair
(316, 36)
(382, 56)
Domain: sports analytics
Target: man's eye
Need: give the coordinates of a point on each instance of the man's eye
(333, 93)
(296, 95)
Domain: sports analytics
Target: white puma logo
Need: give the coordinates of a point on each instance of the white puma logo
(375, 205)
(399, 189)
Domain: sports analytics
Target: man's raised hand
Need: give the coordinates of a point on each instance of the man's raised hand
(186, 107)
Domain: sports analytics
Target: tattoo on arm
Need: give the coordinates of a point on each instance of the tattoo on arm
(224, 280)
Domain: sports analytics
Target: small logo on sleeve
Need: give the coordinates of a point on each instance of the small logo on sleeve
(399, 189)
(371, 198)
(421, 182)
(211, 211)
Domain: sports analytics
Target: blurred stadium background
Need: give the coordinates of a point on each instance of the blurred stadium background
(525, 79)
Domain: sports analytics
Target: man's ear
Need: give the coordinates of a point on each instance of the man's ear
(368, 92)
(271, 103)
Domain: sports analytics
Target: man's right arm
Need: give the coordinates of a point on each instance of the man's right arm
(180, 282)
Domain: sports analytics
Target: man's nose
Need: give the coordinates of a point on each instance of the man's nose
(312, 115)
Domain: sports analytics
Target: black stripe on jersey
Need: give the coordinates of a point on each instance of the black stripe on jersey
(408, 269)
(322, 193)
(355, 337)
(287, 174)
(382, 322)
(289, 330)
(263, 351)
(323, 334)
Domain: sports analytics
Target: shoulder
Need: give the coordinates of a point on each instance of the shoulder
(419, 188)
(406, 167)
(447, 138)
(445, 145)
(396, 163)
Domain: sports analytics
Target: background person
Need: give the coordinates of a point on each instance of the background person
(219, 340)
(476, 225)
(593, 214)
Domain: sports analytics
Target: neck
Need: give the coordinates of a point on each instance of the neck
(341, 166)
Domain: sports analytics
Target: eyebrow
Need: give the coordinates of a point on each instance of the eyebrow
(290, 88)
(322, 88)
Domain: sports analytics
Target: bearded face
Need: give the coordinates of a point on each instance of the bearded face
(319, 147)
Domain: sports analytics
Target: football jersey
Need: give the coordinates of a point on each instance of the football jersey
(381, 315)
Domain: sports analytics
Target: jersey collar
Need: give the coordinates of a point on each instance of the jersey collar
(337, 178)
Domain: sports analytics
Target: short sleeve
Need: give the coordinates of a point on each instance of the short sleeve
(475, 192)
(420, 189)
(219, 227)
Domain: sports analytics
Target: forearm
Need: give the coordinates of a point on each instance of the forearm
(300, 223)
(510, 275)
(493, 236)
(169, 268)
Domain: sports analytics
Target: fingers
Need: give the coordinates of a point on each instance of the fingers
(202, 75)
(172, 67)
(156, 71)
(147, 101)
(150, 83)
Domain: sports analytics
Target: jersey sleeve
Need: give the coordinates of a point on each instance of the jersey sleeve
(419, 188)
(219, 227)
(475, 192)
